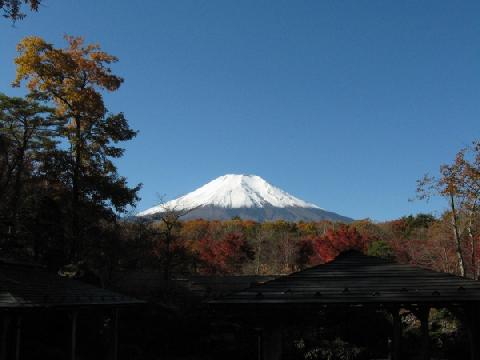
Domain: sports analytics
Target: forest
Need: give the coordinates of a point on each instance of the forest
(63, 203)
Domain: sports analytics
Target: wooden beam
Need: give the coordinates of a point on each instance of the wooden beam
(5, 328)
(18, 337)
(272, 343)
(423, 316)
(472, 317)
(73, 346)
(115, 334)
(397, 334)
(258, 332)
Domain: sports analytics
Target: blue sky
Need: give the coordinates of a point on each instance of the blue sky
(341, 103)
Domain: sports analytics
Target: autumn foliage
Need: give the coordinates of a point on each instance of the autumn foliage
(225, 256)
(239, 246)
(320, 249)
(247, 247)
(335, 241)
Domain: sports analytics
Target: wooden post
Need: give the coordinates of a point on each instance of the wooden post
(18, 337)
(115, 334)
(472, 317)
(258, 331)
(272, 343)
(5, 328)
(423, 316)
(397, 334)
(73, 348)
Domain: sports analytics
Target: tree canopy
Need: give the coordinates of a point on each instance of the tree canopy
(13, 9)
(60, 191)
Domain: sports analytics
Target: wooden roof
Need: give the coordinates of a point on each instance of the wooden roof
(213, 286)
(354, 278)
(23, 286)
(151, 282)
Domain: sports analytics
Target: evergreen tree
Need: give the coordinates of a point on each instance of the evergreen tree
(27, 128)
(72, 80)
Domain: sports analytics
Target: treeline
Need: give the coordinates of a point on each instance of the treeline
(247, 247)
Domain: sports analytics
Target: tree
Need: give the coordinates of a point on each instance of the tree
(72, 80)
(326, 247)
(380, 248)
(12, 9)
(26, 129)
(448, 186)
(459, 182)
(167, 240)
(470, 184)
(304, 252)
(225, 256)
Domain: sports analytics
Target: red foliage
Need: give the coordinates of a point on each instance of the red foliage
(399, 226)
(326, 247)
(305, 251)
(161, 250)
(226, 255)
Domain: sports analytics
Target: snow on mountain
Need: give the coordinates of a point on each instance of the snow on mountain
(234, 192)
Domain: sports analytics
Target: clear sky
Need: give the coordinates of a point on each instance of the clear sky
(341, 103)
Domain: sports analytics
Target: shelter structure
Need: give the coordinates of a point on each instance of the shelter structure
(356, 280)
(27, 289)
(148, 284)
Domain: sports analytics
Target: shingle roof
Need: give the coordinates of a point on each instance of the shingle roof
(222, 285)
(354, 278)
(24, 286)
(148, 282)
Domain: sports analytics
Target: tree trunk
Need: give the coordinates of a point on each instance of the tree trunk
(76, 194)
(473, 245)
(456, 236)
(167, 264)
(7, 174)
(257, 255)
(168, 254)
(17, 189)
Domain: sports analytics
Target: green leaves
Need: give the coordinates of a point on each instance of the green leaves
(61, 141)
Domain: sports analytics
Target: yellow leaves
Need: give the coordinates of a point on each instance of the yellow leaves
(74, 42)
(77, 65)
(30, 50)
(71, 77)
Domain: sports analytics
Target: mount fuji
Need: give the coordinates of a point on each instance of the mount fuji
(245, 196)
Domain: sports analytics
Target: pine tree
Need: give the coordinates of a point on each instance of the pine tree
(27, 128)
(72, 80)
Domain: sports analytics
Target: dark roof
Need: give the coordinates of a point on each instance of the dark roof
(151, 282)
(223, 285)
(26, 286)
(354, 278)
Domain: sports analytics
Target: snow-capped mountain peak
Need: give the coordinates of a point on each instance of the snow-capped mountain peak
(234, 191)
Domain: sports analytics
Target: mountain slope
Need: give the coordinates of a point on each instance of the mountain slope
(267, 213)
(247, 196)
